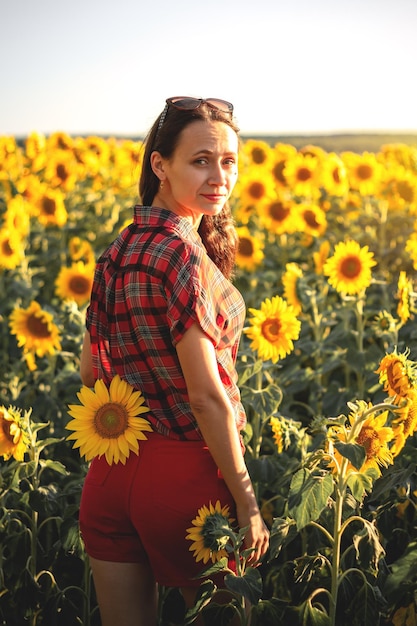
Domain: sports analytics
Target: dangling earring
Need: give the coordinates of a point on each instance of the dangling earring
(161, 185)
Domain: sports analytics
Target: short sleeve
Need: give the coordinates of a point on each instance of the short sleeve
(192, 295)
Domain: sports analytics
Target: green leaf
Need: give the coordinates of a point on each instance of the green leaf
(368, 548)
(361, 483)
(360, 602)
(56, 466)
(312, 616)
(403, 573)
(36, 426)
(249, 585)
(205, 593)
(219, 614)
(44, 499)
(391, 480)
(249, 371)
(266, 402)
(214, 568)
(41, 444)
(268, 613)
(309, 495)
(354, 452)
(262, 470)
(282, 531)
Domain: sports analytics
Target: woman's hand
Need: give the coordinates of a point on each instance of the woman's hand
(257, 536)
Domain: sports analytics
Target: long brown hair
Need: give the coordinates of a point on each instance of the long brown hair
(217, 232)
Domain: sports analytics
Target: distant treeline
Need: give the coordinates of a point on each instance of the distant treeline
(355, 142)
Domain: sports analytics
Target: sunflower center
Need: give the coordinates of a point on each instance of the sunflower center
(271, 329)
(311, 219)
(336, 176)
(6, 426)
(364, 172)
(48, 206)
(258, 156)
(6, 249)
(278, 172)
(37, 327)
(111, 420)
(351, 267)
(303, 174)
(278, 211)
(368, 438)
(256, 190)
(397, 377)
(245, 247)
(405, 191)
(79, 284)
(61, 172)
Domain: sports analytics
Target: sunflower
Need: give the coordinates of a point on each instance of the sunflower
(282, 153)
(397, 374)
(62, 169)
(10, 159)
(384, 324)
(403, 294)
(301, 173)
(311, 219)
(14, 436)
(278, 216)
(250, 250)
(334, 175)
(12, 250)
(17, 217)
(75, 282)
(81, 250)
(349, 269)
(364, 172)
(401, 189)
(321, 255)
(51, 209)
(107, 421)
(290, 281)
(244, 212)
(254, 187)
(35, 144)
(59, 140)
(210, 533)
(405, 423)
(35, 330)
(277, 433)
(411, 248)
(374, 436)
(273, 329)
(256, 153)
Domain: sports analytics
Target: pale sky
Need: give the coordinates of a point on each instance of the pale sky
(288, 66)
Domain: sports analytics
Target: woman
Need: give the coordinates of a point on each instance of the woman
(165, 317)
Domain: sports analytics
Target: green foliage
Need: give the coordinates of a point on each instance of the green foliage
(343, 546)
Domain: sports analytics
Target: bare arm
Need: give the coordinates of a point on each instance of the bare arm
(86, 363)
(214, 414)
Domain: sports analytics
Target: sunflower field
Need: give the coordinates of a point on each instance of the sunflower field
(327, 368)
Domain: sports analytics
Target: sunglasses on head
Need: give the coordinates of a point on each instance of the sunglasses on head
(185, 103)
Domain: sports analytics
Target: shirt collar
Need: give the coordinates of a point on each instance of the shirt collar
(154, 217)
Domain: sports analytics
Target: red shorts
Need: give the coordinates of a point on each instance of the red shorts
(140, 511)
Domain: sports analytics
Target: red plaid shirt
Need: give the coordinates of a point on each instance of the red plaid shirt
(151, 284)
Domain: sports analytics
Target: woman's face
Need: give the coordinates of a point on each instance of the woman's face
(200, 176)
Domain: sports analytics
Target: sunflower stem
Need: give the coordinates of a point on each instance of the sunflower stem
(318, 360)
(337, 536)
(360, 336)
